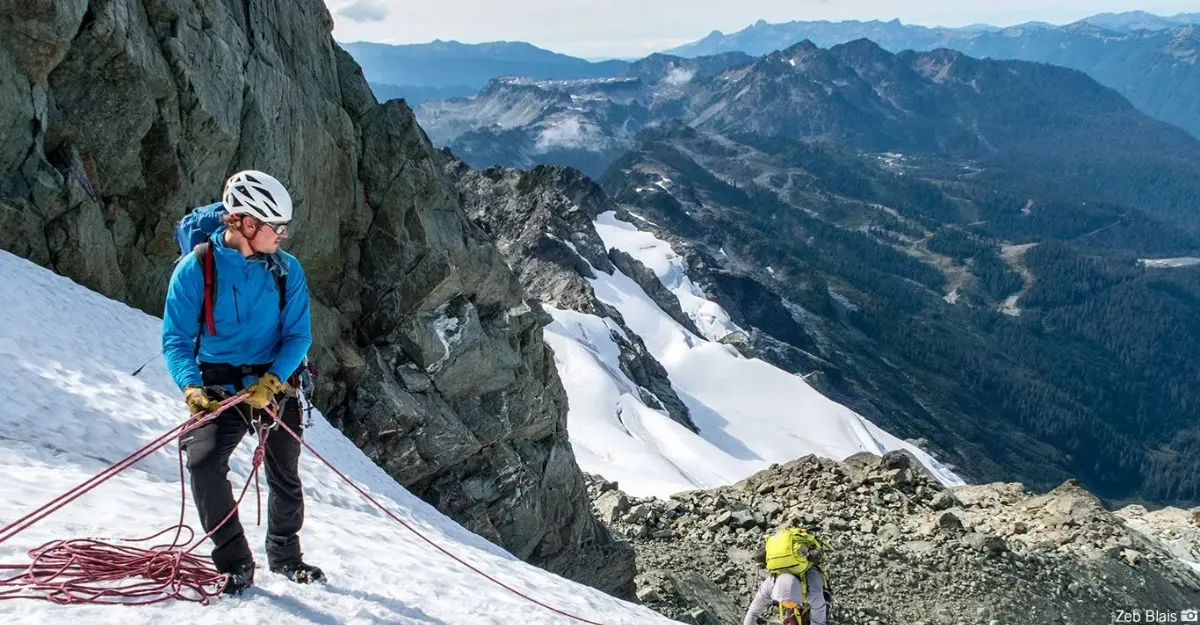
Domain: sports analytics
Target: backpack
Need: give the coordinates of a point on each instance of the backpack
(793, 550)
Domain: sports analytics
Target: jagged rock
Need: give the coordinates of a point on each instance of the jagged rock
(835, 524)
(990, 545)
(698, 616)
(648, 595)
(741, 342)
(743, 519)
(653, 287)
(638, 514)
(653, 383)
(944, 500)
(990, 494)
(861, 463)
(611, 505)
(769, 509)
(949, 522)
(1176, 529)
(117, 116)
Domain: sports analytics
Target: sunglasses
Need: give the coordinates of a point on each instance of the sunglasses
(278, 229)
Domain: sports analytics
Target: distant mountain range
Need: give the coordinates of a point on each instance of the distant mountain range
(1058, 125)
(764, 37)
(1141, 20)
(442, 69)
(582, 123)
(1149, 59)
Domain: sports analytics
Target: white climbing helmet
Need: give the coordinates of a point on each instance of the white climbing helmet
(258, 195)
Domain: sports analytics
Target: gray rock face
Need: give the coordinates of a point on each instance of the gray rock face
(117, 115)
(1175, 528)
(653, 287)
(895, 556)
(542, 222)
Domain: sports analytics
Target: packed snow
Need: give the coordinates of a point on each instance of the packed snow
(750, 414)
(657, 255)
(446, 328)
(71, 407)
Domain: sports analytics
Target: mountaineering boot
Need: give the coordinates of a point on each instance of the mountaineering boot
(241, 577)
(299, 572)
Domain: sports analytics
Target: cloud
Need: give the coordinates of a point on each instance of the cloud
(364, 11)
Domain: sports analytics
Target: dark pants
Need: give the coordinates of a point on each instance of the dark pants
(208, 449)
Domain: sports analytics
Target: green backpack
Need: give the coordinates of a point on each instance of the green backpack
(792, 550)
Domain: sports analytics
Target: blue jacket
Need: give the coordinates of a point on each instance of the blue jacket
(250, 327)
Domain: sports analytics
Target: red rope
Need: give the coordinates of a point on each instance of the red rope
(83, 570)
(425, 538)
(93, 571)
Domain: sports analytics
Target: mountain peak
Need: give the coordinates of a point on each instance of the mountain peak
(861, 48)
(804, 47)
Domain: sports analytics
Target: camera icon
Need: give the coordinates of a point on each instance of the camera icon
(1189, 616)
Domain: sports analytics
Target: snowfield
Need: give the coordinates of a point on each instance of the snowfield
(71, 407)
(750, 413)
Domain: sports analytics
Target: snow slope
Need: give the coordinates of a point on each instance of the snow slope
(750, 413)
(70, 407)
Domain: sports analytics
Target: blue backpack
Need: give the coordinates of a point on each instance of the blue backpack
(197, 225)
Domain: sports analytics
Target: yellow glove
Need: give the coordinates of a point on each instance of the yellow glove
(198, 401)
(264, 390)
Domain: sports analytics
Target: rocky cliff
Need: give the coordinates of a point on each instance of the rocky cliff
(117, 115)
(903, 550)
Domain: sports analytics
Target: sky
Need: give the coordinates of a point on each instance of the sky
(634, 28)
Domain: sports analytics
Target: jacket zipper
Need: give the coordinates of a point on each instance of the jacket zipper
(236, 310)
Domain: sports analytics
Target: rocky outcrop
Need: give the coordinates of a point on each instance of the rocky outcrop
(1177, 529)
(117, 115)
(900, 549)
(653, 287)
(542, 222)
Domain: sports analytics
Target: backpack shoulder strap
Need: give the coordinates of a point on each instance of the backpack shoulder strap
(209, 269)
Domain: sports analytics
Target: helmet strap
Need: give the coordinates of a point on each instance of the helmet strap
(249, 236)
(238, 224)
